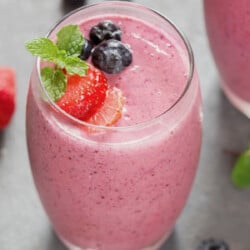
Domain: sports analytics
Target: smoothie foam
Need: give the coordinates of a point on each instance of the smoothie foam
(121, 189)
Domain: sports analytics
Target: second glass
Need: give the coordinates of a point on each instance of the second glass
(228, 29)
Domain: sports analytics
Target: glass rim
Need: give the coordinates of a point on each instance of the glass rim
(182, 36)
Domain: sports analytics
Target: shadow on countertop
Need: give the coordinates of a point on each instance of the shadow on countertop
(1, 143)
(172, 243)
(55, 243)
(70, 5)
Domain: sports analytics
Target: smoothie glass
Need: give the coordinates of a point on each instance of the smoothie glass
(120, 187)
(228, 28)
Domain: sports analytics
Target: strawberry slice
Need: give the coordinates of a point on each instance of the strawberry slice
(111, 110)
(84, 95)
(7, 95)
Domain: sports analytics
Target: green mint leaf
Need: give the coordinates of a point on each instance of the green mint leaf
(60, 59)
(64, 54)
(241, 170)
(75, 65)
(54, 82)
(43, 47)
(70, 39)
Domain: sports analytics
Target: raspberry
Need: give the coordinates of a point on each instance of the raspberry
(7, 96)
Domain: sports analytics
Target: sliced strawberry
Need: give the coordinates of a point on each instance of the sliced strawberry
(7, 95)
(84, 95)
(111, 110)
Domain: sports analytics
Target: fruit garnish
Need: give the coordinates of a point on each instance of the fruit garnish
(86, 49)
(103, 31)
(111, 56)
(111, 110)
(84, 95)
(64, 53)
(7, 96)
(241, 171)
(213, 244)
(77, 87)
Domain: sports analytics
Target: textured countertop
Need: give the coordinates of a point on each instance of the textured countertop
(215, 208)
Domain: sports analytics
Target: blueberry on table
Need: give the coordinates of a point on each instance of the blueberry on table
(86, 49)
(212, 244)
(103, 31)
(111, 56)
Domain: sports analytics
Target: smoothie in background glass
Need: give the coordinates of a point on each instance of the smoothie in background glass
(228, 28)
(121, 187)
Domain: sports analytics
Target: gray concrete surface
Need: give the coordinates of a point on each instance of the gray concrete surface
(215, 208)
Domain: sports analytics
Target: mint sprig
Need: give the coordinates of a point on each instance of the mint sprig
(54, 82)
(44, 48)
(241, 171)
(64, 53)
(70, 39)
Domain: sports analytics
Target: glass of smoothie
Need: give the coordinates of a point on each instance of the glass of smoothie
(228, 29)
(120, 187)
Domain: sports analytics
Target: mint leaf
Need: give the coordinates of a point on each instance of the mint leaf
(70, 39)
(54, 82)
(60, 59)
(241, 170)
(64, 54)
(75, 65)
(42, 47)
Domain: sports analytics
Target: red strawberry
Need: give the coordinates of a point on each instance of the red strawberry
(84, 95)
(111, 110)
(7, 96)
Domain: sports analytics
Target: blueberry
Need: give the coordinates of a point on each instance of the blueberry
(212, 244)
(103, 31)
(111, 56)
(86, 49)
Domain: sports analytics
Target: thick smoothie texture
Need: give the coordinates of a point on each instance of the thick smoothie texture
(228, 27)
(121, 189)
(147, 81)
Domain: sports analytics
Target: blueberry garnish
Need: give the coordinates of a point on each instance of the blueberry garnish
(111, 56)
(86, 49)
(103, 31)
(212, 244)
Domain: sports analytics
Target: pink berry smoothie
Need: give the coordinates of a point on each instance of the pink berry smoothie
(228, 28)
(121, 188)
